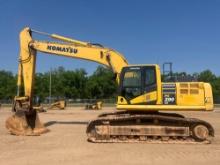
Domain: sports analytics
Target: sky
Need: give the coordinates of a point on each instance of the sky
(184, 32)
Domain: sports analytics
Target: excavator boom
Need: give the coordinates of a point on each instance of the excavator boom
(25, 121)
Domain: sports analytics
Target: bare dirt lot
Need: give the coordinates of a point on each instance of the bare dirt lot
(66, 143)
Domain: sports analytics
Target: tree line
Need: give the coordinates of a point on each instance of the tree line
(77, 84)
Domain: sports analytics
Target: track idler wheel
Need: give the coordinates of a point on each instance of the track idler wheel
(26, 124)
(200, 132)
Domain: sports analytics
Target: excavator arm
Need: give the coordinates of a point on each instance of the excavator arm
(66, 47)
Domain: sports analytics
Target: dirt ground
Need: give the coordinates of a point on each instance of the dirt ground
(66, 143)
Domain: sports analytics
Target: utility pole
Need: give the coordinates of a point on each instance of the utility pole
(50, 87)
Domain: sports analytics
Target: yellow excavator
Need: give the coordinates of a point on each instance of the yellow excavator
(142, 98)
(60, 104)
(97, 105)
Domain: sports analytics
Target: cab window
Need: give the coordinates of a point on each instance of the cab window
(132, 79)
(150, 76)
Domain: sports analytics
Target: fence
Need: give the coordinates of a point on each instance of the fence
(70, 102)
(80, 102)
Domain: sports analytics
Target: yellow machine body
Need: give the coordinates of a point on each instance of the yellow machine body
(178, 96)
(61, 105)
(94, 106)
(190, 96)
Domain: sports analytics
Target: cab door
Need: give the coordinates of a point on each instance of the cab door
(131, 84)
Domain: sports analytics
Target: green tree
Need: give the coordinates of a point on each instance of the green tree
(216, 89)
(7, 85)
(65, 83)
(74, 83)
(41, 87)
(208, 76)
(101, 84)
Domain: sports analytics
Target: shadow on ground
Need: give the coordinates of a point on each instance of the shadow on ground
(65, 122)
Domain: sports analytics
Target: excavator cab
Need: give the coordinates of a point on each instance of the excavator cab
(139, 85)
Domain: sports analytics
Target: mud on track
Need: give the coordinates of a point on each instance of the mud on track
(66, 143)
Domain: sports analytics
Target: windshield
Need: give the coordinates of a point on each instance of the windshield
(131, 86)
(132, 78)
